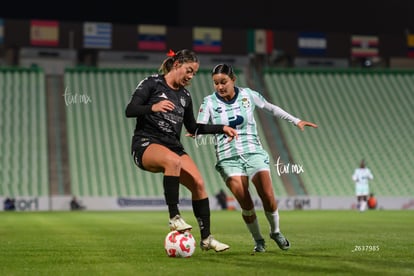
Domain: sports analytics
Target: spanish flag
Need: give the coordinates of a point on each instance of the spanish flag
(44, 33)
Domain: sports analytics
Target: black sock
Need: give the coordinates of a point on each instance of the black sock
(171, 194)
(201, 210)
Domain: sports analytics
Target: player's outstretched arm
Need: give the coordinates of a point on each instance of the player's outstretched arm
(301, 125)
(230, 132)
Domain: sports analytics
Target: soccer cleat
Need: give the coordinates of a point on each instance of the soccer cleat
(281, 241)
(178, 224)
(259, 246)
(212, 243)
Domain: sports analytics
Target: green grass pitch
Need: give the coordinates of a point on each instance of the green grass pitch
(376, 242)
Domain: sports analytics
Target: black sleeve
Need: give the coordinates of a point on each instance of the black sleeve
(192, 126)
(138, 103)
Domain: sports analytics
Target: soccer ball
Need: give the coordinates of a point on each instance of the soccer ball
(179, 244)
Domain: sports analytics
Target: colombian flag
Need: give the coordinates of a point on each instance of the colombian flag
(410, 45)
(207, 40)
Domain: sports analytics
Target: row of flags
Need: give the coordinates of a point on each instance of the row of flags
(315, 44)
(98, 35)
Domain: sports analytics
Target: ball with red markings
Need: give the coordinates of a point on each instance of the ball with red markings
(179, 244)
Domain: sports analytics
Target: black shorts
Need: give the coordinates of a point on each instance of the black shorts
(140, 148)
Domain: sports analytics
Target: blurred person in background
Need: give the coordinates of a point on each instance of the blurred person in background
(361, 177)
(75, 204)
(9, 204)
(372, 202)
(245, 159)
(222, 199)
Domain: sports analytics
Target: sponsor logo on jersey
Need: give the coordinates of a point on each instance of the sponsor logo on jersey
(234, 121)
(163, 96)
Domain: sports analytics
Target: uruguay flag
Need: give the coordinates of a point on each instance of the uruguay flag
(97, 35)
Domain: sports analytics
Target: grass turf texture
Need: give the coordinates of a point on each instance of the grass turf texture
(131, 243)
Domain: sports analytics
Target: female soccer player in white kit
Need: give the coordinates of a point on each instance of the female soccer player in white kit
(244, 158)
(361, 177)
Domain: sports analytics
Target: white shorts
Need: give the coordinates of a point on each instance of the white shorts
(361, 189)
(247, 164)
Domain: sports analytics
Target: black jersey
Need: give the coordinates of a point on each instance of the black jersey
(163, 127)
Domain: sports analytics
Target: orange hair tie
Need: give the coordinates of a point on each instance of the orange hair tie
(171, 53)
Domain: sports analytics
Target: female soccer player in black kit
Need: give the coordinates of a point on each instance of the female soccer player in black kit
(161, 104)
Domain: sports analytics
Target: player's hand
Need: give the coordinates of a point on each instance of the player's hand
(301, 125)
(163, 106)
(230, 132)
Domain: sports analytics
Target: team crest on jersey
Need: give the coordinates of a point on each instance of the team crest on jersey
(182, 101)
(245, 102)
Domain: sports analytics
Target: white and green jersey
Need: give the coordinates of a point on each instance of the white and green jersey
(239, 114)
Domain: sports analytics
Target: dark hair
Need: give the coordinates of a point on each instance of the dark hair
(223, 69)
(183, 56)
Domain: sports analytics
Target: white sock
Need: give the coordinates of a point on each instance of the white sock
(273, 219)
(255, 230)
(362, 205)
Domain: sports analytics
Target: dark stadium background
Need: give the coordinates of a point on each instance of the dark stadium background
(390, 20)
(385, 16)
